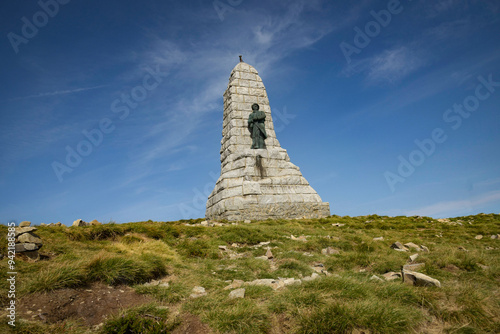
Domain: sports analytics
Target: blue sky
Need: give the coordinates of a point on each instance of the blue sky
(353, 88)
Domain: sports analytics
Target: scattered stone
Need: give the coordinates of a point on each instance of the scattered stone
(79, 222)
(290, 281)
(378, 239)
(198, 291)
(482, 266)
(461, 248)
(263, 257)
(234, 285)
(223, 248)
(489, 248)
(58, 224)
(424, 248)
(495, 236)
(263, 281)
(412, 245)
(24, 224)
(238, 293)
(247, 221)
(26, 247)
(204, 223)
(95, 222)
(376, 278)
(391, 276)
(478, 237)
(443, 220)
(413, 257)
(414, 266)
(329, 251)
(310, 278)
(338, 225)
(269, 254)
(301, 238)
(399, 247)
(43, 224)
(418, 279)
(234, 245)
(157, 283)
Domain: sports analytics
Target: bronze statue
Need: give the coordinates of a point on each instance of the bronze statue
(257, 128)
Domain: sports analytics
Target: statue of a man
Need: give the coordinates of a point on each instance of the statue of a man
(257, 128)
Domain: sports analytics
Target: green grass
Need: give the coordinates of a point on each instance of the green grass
(346, 301)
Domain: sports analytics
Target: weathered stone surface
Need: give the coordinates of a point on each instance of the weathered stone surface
(329, 251)
(413, 257)
(238, 293)
(58, 224)
(478, 237)
(79, 222)
(378, 239)
(24, 224)
(399, 247)
(269, 254)
(414, 266)
(22, 230)
(418, 279)
(256, 184)
(376, 278)
(25, 247)
(234, 285)
(412, 245)
(95, 222)
(198, 291)
(391, 276)
(30, 238)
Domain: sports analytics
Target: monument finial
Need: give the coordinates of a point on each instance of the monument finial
(241, 58)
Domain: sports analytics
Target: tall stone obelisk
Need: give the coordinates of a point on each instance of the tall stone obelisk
(257, 183)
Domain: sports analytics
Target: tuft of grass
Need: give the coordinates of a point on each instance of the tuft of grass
(57, 276)
(242, 317)
(145, 319)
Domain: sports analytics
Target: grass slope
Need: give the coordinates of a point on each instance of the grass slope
(347, 301)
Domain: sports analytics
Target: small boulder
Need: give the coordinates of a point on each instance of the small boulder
(418, 279)
(198, 291)
(204, 223)
(25, 224)
(310, 278)
(414, 266)
(424, 248)
(329, 251)
(22, 230)
(478, 237)
(58, 224)
(462, 248)
(238, 293)
(223, 248)
(338, 225)
(391, 276)
(30, 238)
(79, 222)
(95, 222)
(269, 254)
(378, 239)
(20, 248)
(234, 285)
(263, 257)
(412, 245)
(43, 224)
(399, 247)
(413, 257)
(376, 278)
(495, 236)
(247, 221)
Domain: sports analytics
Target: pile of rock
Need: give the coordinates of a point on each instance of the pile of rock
(27, 242)
(80, 222)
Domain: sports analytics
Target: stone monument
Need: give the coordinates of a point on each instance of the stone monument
(257, 179)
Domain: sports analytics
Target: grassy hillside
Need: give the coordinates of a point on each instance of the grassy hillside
(123, 257)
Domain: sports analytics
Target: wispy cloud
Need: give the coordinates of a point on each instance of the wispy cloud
(463, 206)
(394, 64)
(58, 92)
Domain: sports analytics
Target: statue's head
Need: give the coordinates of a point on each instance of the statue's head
(255, 106)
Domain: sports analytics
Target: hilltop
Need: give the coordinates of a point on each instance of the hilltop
(299, 276)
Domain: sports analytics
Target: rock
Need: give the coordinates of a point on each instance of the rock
(234, 285)
(30, 238)
(301, 238)
(58, 224)
(310, 278)
(412, 245)
(79, 222)
(223, 248)
(291, 281)
(414, 267)
(424, 248)
(495, 236)
(413, 257)
(376, 278)
(42, 224)
(265, 281)
(198, 291)
(399, 247)
(204, 223)
(247, 221)
(263, 257)
(461, 248)
(391, 276)
(418, 279)
(95, 222)
(24, 224)
(482, 266)
(27, 247)
(33, 255)
(238, 293)
(378, 239)
(329, 251)
(478, 237)
(338, 225)
(269, 254)
(22, 230)
(157, 283)
(234, 245)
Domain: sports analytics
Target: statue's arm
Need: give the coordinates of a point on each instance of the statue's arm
(260, 115)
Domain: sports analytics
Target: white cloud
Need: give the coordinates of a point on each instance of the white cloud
(59, 92)
(447, 208)
(393, 65)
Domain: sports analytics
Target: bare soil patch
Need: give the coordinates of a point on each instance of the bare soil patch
(92, 305)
